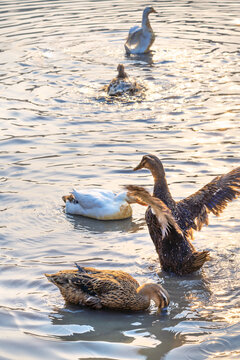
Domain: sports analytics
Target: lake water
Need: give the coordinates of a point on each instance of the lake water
(58, 131)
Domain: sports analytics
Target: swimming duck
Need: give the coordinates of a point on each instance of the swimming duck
(98, 204)
(116, 290)
(122, 84)
(140, 39)
(175, 251)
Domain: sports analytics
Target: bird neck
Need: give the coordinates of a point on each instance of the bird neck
(161, 189)
(122, 74)
(145, 21)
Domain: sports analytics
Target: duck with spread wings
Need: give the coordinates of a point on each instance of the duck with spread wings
(175, 250)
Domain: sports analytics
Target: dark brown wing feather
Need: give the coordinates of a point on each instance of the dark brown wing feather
(94, 285)
(213, 198)
(99, 282)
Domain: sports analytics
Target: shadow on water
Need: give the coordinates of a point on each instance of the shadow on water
(142, 58)
(100, 226)
(140, 330)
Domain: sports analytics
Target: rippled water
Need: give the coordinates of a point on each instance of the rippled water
(59, 131)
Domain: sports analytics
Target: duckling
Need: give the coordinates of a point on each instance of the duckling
(140, 39)
(175, 251)
(122, 84)
(98, 204)
(116, 290)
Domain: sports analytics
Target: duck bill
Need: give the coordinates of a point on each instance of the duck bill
(139, 166)
(154, 11)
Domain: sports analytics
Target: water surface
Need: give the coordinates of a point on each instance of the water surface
(59, 131)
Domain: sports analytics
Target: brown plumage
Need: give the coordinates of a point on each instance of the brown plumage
(123, 84)
(175, 251)
(165, 218)
(116, 290)
(68, 198)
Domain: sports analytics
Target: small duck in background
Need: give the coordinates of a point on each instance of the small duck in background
(122, 84)
(98, 204)
(115, 290)
(174, 248)
(140, 39)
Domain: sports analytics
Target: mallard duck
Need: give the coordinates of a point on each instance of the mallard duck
(98, 204)
(123, 84)
(175, 251)
(116, 290)
(140, 39)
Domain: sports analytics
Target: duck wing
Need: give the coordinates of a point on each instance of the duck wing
(134, 36)
(133, 29)
(159, 209)
(213, 198)
(95, 285)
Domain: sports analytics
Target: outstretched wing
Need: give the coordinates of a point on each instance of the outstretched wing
(134, 36)
(213, 198)
(133, 29)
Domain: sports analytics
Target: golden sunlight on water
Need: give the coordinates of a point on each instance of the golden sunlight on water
(60, 131)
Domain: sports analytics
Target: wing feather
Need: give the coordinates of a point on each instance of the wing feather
(213, 197)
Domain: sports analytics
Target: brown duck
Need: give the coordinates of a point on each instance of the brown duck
(175, 251)
(116, 290)
(123, 84)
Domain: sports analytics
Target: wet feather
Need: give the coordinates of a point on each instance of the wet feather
(111, 289)
(175, 251)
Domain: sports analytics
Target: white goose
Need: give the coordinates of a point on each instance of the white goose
(98, 204)
(140, 39)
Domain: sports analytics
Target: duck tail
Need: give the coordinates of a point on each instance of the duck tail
(52, 278)
(80, 269)
(68, 198)
(196, 261)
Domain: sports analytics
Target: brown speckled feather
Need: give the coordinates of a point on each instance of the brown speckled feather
(106, 288)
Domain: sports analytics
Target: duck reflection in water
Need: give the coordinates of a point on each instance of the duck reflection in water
(140, 328)
(83, 223)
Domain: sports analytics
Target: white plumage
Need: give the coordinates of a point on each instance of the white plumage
(140, 39)
(98, 204)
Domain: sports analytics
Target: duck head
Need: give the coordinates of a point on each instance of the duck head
(152, 163)
(121, 72)
(149, 162)
(149, 10)
(156, 293)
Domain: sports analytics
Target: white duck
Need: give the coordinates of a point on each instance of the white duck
(140, 39)
(122, 84)
(98, 204)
